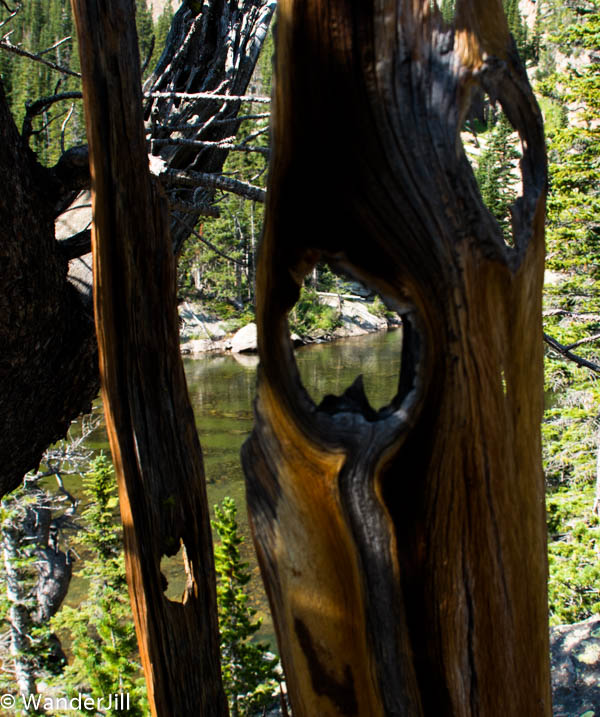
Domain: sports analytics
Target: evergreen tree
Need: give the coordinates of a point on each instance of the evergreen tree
(495, 173)
(447, 9)
(249, 674)
(163, 25)
(103, 642)
(145, 29)
(570, 426)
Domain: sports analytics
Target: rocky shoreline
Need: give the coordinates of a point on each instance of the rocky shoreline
(202, 333)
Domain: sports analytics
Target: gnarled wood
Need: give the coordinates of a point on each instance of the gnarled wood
(149, 418)
(404, 551)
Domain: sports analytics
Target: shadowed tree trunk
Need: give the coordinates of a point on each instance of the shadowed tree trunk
(48, 367)
(404, 550)
(149, 418)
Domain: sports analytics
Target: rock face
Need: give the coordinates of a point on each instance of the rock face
(244, 340)
(575, 652)
(355, 316)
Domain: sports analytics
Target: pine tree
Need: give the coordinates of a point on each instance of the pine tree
(495, 174)
(447, 9)
(249, 674)
(145, 29)
(103, 641)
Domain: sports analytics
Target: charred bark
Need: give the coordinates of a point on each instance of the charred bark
(404, 551)
(149, 417)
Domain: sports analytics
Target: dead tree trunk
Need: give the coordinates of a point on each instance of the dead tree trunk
(404, 551)
(149, 418)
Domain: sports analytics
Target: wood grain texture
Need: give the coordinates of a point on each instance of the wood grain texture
(403, 551)
(150, 423)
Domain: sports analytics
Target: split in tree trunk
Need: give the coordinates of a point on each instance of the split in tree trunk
(404, 551)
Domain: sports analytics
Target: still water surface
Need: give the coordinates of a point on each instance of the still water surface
(222, 391)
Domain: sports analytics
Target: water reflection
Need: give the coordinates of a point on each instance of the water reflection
(222, 390)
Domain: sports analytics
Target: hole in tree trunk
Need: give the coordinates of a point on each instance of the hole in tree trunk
(360, 371)
(493, 147)
(176, 574)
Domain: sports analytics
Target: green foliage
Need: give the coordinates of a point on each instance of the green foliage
(311, 317)
(570, 430)
(573, 555)
(19, 546)
(249, 675)
(496, 175)
(145, 29)
(447, 9)
(39, 26)
(163, 26)
(100, 629)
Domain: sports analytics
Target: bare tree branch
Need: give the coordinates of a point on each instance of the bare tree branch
(564, 351)
(212, 247)
(586, 340)
(206, 210)
(5, 44)
(260, 99)
(77, 245)
(56, 44)
(214, 181)
(231, 146)
(14, 12)
(32, 109)
(573, 314)
(202, 125)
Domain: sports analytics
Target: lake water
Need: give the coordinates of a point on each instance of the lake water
(222, 390)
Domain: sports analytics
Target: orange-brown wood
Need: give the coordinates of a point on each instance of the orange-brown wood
(403, 551)
(149, 418)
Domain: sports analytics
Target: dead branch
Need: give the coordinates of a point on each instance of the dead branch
(12, 14)
(586, 340)
(212, 247)
(228, 145)
(32, 109)
(564, 351)
(206, 210)
(207, 96)
(6, 44)
(77, 245)
(56, 44)
(202, 125)
(214, 181)
(572, 314)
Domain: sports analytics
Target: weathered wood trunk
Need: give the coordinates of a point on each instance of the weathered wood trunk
(149, 418)
(403, 551)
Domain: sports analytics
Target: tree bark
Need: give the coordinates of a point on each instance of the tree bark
(404, 550)
(149, 418)
(48, 364)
